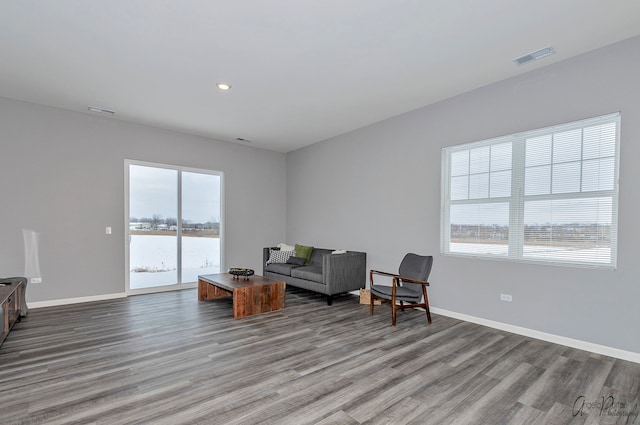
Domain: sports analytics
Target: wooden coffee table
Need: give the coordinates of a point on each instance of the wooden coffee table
(256, 295)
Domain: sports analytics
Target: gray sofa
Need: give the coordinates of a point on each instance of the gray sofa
(327, 273)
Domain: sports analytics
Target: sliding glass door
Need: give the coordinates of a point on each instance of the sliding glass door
(153, 241)
(200, 225)
(174, 224)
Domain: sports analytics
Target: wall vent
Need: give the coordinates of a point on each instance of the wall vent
(538, 54)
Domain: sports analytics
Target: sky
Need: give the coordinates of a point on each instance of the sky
(154, 191)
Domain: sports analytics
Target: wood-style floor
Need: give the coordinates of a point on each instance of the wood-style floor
(168, 359)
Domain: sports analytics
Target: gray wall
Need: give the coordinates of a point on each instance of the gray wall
(62, 175)
(377, 189)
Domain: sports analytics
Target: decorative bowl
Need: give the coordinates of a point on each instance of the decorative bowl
(239, 271)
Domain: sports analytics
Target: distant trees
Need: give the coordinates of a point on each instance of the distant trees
(582, 235)
(486, 233)
(157, 222)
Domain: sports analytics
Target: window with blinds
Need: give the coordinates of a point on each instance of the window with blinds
(548, 195)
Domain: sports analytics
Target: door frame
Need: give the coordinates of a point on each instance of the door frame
(180, 169)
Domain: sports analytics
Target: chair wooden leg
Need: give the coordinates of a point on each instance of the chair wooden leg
(393, 306)
(370, 291)
(371, 302)
(426, 303)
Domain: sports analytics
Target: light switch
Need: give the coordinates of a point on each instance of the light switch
(107, 230)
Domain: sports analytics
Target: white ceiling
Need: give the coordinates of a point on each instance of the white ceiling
(302, 70)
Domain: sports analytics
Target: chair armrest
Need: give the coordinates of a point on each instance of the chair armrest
(406, 279)
(378, 272)
(382, 273)
(396, 278)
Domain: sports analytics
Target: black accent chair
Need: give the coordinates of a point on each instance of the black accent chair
(409, 285)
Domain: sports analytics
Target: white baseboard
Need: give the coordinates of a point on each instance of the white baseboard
(154, 290)
(556, 339)
(65, 301)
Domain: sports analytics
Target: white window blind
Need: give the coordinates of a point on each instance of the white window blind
(547, 195)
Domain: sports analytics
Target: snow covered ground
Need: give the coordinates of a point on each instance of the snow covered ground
(153, 260)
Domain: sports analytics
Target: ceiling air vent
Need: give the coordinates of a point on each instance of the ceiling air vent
(101, 110)
(538, 54)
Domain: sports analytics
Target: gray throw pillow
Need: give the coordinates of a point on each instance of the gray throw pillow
(298, 261)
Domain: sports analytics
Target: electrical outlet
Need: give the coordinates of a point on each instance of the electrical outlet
(36, 280)
(505, 297)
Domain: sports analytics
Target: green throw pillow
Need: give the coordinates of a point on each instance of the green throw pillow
(304, 252)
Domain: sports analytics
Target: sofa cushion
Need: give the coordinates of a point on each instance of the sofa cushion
(298, 261)
(313, 273)
(280, 268)
(316, 256)
(304, 251)
(284, 247)
(278, 256)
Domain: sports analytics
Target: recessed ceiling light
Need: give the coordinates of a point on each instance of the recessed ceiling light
(533, 56)
(223, 86)
(101, 110)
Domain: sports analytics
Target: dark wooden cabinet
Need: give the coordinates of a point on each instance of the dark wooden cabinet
(10, 305)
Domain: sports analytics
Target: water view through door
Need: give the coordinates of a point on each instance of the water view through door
(174, 225)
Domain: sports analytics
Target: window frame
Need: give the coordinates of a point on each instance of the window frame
(517, 198)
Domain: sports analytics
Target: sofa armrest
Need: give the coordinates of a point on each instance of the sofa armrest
(344, 272)
(265, 257)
